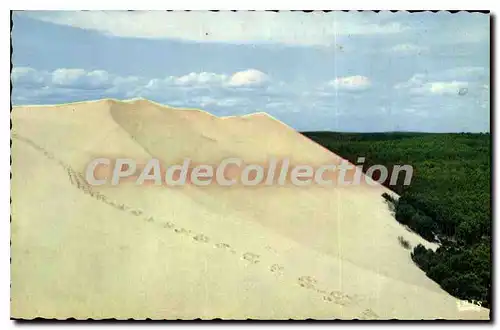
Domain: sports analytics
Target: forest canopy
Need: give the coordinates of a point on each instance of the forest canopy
(448, 200)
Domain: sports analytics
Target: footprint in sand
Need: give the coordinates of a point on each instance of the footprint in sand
(277, 269)
(307, 282)
(337, 297)
(201, 238)
(224, 246)
(168, 224)
(136, 212)
(48, 155)
(150, 219)
(251, 257)
(181, 231)
(368, 314)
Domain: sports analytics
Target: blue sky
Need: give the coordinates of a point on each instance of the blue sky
(341, 71)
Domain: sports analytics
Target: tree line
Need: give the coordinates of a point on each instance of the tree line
(448, 200)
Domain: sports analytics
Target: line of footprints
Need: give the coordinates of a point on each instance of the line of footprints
(306, 282)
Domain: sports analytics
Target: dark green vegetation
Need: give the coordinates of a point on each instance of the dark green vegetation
(448, 200)
(404, 243)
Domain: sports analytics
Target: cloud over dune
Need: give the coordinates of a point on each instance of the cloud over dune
(24, 76)
(100, 79)
(247, 91)
(202, 78)
(32, 86)
(78, 78)
(249, 77)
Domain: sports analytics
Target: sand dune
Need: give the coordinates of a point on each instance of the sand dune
(188, 252)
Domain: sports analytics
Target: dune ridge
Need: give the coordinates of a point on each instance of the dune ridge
(346, 239)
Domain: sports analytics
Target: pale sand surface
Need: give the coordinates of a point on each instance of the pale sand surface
(188, 252)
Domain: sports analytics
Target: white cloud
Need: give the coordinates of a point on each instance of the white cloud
(30, 83)
(62, 78)
(444, 87)
(465, 73)
(457, 81)
(301, 28)
(79, 78)
(24, 76)
(249, 77)
(436, 87)
(127, 82)
(197, 79)
(351, 83)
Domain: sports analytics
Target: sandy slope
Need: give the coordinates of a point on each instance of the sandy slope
(187, 252)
